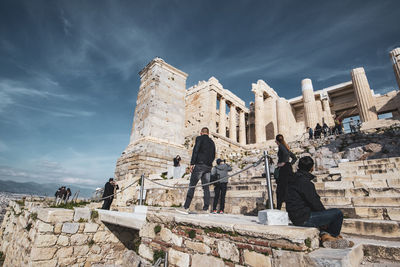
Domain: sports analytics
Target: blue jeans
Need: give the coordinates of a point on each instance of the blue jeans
(202, 172)
(332, 218)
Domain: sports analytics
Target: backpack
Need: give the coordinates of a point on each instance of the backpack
(214, 177)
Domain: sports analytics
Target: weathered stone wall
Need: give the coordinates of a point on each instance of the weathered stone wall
(201, 243)
(36, 236)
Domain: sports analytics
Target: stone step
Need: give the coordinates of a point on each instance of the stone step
(376, 201)
(372, 228)
(337, 257)
(374, 213)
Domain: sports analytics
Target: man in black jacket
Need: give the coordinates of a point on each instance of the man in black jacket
(108, 194)
(200, 166)
(305, 208)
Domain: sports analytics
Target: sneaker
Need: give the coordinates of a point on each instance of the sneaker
(214, 212)
(221, 212)
(327, 237)
(182, 211)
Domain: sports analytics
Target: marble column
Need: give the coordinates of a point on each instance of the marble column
(213, 111)
(365, 101)
(259, 123)
(310, 107)
(242, 128)
(395, 56)
(232, 123)
(320, 111)
(282, 118)
(222, 117)
(327, 112)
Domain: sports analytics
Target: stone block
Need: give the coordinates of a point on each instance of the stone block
(45, 240)
(379, 228)
(376, 201)
(65, 252)
(148, 230)
(199, 260)
(370, 184)
(48, 263)
(273, 217)
(91, 227)
(70, 228)
(393, 183)
(167, 236)
(57, 228)
(228, 251)
(146, 252)
(63, 240)
(81, 213)
(55, 215)
(337, 257)
(198, 247)
(78, 239)
(44, 227)
(39, 254)
(100, 237)
(336, 201)
(81, 250)
(255, 259)
(288, 258)
(394, 213)
(339, 185)
(178, 258)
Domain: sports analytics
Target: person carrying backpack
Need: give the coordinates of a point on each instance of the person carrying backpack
(221, 171)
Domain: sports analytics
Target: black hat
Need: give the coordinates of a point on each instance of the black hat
(219, 161)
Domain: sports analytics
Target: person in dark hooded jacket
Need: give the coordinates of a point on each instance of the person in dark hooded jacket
(221, 170)
(109, 192)
(306, 209)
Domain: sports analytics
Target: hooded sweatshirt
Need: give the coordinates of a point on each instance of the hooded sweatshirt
(222, 170)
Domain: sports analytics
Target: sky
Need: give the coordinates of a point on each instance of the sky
(69, 69)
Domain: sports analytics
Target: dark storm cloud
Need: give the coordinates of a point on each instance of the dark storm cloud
(69, 69)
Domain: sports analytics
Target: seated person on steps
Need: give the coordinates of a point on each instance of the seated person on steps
(305, 208)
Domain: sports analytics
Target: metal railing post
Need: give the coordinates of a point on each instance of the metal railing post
(268, 176)
(166, 259)
(141, 190)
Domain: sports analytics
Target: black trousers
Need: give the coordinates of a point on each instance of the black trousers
(282, 184)
(200, 172)
(220, 192)
(107, 203)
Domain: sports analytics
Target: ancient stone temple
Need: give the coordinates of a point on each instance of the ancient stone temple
(168, 116)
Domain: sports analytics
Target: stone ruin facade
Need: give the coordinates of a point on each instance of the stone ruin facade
(168, 116)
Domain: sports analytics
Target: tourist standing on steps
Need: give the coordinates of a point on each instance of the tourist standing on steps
(352, 126)
(109, 190)
(221, 170)
(200, 166)
(305, 208)
(177, 167)
(285, 169)
(310, 133)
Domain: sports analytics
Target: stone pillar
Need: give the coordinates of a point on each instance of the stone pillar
(365, 100)
(232, 123)
(327, 111)
(242, 128)
(213, 111)
(282, 118)
(259, 115)
(320, 111)
(395, 56)
(310, 107)
(222, 117)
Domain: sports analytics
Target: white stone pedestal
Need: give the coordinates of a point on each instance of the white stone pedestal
(140, 211)
(273, 217)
